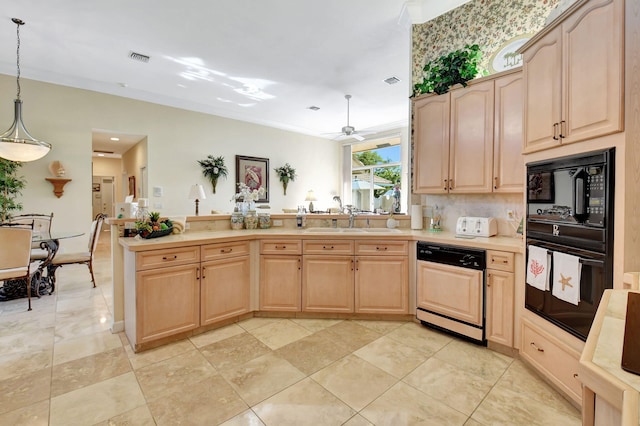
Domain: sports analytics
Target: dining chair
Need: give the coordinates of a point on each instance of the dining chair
(15, 255)
(41, 224)
(83, 258)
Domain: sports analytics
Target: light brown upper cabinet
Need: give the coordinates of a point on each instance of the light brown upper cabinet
(470, 139)
(573, 77)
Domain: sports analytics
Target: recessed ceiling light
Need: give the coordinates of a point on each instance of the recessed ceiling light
(313, 108)
(114, 139)
(392, 80)
(141, 57)
(100, 155)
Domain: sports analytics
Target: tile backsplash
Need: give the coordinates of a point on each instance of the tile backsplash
(478, 205)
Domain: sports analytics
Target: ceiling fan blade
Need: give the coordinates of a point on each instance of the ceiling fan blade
(357, 136)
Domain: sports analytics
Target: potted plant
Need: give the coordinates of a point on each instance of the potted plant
(213, 168)
(11, 186)
(286, 174)
(457, 67)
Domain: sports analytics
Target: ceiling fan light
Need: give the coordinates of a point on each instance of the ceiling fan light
(16, 144)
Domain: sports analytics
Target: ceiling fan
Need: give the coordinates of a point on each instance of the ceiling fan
(349, 131)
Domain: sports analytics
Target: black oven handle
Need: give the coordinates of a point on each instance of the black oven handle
(588, 262)
(592, 262)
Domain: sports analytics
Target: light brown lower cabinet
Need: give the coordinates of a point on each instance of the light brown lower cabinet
(500, 297)
(167, 301)
(327, 283)
(555, 360)
(382, 277)
(280, 282)
(224, 289)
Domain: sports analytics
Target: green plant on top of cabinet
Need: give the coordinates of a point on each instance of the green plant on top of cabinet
(574, 79)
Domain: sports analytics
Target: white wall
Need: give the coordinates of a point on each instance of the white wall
(176, 139)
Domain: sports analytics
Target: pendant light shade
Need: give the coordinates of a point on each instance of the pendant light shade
(16, 144)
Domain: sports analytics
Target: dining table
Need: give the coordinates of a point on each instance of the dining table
(42, 278)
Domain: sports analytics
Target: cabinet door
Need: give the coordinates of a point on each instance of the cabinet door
(327, 283)
(382, 284)
(451, 291)
(431, 145)
(224, 289)
(592, 81)
(500, 307)
(280, 283)
(471, 139)
(542, 92)
(508, 163)
(167, 301)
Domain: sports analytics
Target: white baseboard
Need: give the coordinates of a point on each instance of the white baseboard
(117, 327)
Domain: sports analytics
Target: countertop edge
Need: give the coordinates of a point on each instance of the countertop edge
(503, 243)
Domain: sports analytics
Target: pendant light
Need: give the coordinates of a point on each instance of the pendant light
(16, 144)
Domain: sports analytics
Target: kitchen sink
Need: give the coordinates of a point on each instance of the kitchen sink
(351, 230)
(382, 230)
(334, 230)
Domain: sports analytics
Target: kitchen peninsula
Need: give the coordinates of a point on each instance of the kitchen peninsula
(224, 275)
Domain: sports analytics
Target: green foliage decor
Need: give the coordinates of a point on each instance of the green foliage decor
(457, 67)
(286, 174)
(11, 186)
(213, 168)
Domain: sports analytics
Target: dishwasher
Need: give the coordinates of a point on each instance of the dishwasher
(451, 289)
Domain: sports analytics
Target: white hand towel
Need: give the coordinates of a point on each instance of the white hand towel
(538, 268)
(566, 277)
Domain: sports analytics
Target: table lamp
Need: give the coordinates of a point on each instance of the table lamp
(197, 193)
(311, 197)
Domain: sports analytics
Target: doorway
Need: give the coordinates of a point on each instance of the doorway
(103, 197)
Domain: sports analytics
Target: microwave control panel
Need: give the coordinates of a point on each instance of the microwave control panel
(596, 203)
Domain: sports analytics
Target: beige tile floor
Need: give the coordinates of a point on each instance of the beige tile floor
(60, 365)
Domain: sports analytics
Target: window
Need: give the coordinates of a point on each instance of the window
(376, 175)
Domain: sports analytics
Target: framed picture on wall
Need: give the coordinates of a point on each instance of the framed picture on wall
(132, 186)
(253, 172)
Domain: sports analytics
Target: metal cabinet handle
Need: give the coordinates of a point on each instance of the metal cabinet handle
(352, 264)
(170, 258)
(494, 260)
(495, 182)
(562, 123)
(299, 268)
(327, 247)
(226, 251)
(356, 265)
(281, 247)
(445, 184)
(555, 131)
(536, 347)
(382, 248)
(197, 273)
(450, 184)
(203, 270)
(576, 376)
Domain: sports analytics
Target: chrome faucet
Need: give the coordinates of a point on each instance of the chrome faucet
(337, 198)
(350, 209)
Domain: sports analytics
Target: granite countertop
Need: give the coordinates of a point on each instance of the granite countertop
(503, 243)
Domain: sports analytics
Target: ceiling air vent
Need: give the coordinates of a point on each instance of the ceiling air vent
(139, 57)
(391, 80)
(313, 108)
(98, 151)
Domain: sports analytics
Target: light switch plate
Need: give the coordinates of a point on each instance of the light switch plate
(157, 191)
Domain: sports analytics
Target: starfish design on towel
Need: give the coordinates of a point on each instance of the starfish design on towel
(565, 281)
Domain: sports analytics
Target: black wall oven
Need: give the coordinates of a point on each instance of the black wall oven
(570, 210)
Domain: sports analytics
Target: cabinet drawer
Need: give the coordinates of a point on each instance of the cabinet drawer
(328, 247)
(556, 361)
(500, 260)
(167, 257)
(222, 250)
(380, 247)
(281, 247)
